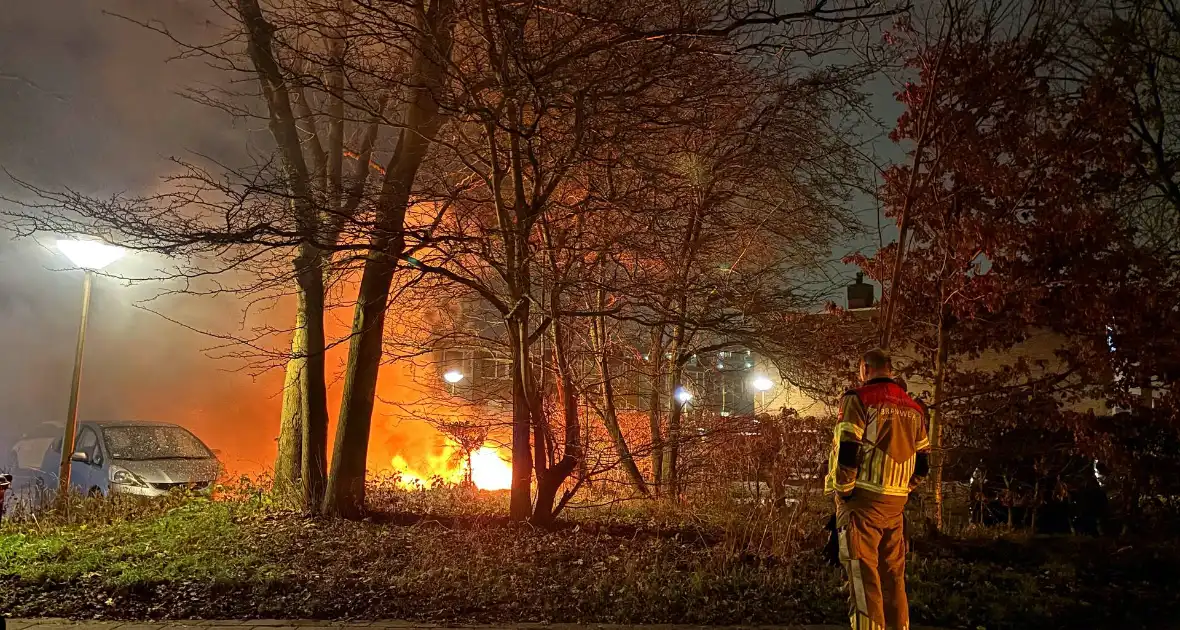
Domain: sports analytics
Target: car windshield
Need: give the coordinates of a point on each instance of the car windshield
(153, 442)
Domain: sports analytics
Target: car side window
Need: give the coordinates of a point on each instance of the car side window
(87, 442)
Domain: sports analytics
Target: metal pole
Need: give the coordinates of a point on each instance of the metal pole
(723, 394)
(67, 442)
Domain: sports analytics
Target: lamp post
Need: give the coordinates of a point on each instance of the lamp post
(90, 256)
(452, 378)
(763, 385)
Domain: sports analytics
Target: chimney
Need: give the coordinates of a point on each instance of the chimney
(860, 293)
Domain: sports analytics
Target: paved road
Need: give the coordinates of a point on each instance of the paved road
(58, 624)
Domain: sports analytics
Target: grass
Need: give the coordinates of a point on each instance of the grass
(196, 540)
(446, 556)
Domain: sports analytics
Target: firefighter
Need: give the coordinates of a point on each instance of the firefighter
(880, 453)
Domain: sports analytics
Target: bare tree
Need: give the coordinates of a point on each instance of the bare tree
(337, 79)
(422, 120)
(524, 115)
(733, 232)
(548, 122)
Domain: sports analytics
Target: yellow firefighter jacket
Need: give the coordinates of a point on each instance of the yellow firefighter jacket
(880, 444)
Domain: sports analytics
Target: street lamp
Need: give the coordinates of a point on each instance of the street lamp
(91, 256)
(763, 385)
(453, 377)
(683, 395)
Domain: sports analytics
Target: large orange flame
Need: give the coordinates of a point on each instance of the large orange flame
(488, 470)
(413, 407)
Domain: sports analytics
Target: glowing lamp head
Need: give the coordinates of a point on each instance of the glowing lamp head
(683, 395)
(453, 376)
(762, 384)
(93, 255)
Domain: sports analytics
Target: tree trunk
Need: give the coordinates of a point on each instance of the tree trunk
(609, 415)
(308, 264)
(927, 130)
(672, 445)
(314, 396)
(583, 473)
(520, 501)
(1036, 503)
(550, 478)
(288, 464)
(655, 412)
(668, 479)
(346, 486)
(547, 486)
(346, 491)
(622, 449)
(936, 415)
(328, 180)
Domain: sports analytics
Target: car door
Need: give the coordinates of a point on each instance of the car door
(51, 464)
(85, 476)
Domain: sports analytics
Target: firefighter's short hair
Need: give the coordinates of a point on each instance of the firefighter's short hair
(877, 360)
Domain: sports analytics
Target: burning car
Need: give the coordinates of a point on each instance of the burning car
(138, 458)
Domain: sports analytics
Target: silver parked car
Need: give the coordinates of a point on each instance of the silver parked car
(140, 458)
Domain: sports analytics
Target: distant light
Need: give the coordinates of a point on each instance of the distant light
(452, 377)
(683, 395)
(90, 254)
(720, 366)
(762, 383)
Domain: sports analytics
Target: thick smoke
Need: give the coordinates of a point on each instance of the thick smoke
(89, 101)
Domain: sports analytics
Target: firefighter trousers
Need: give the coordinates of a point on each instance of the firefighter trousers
(872, 550)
